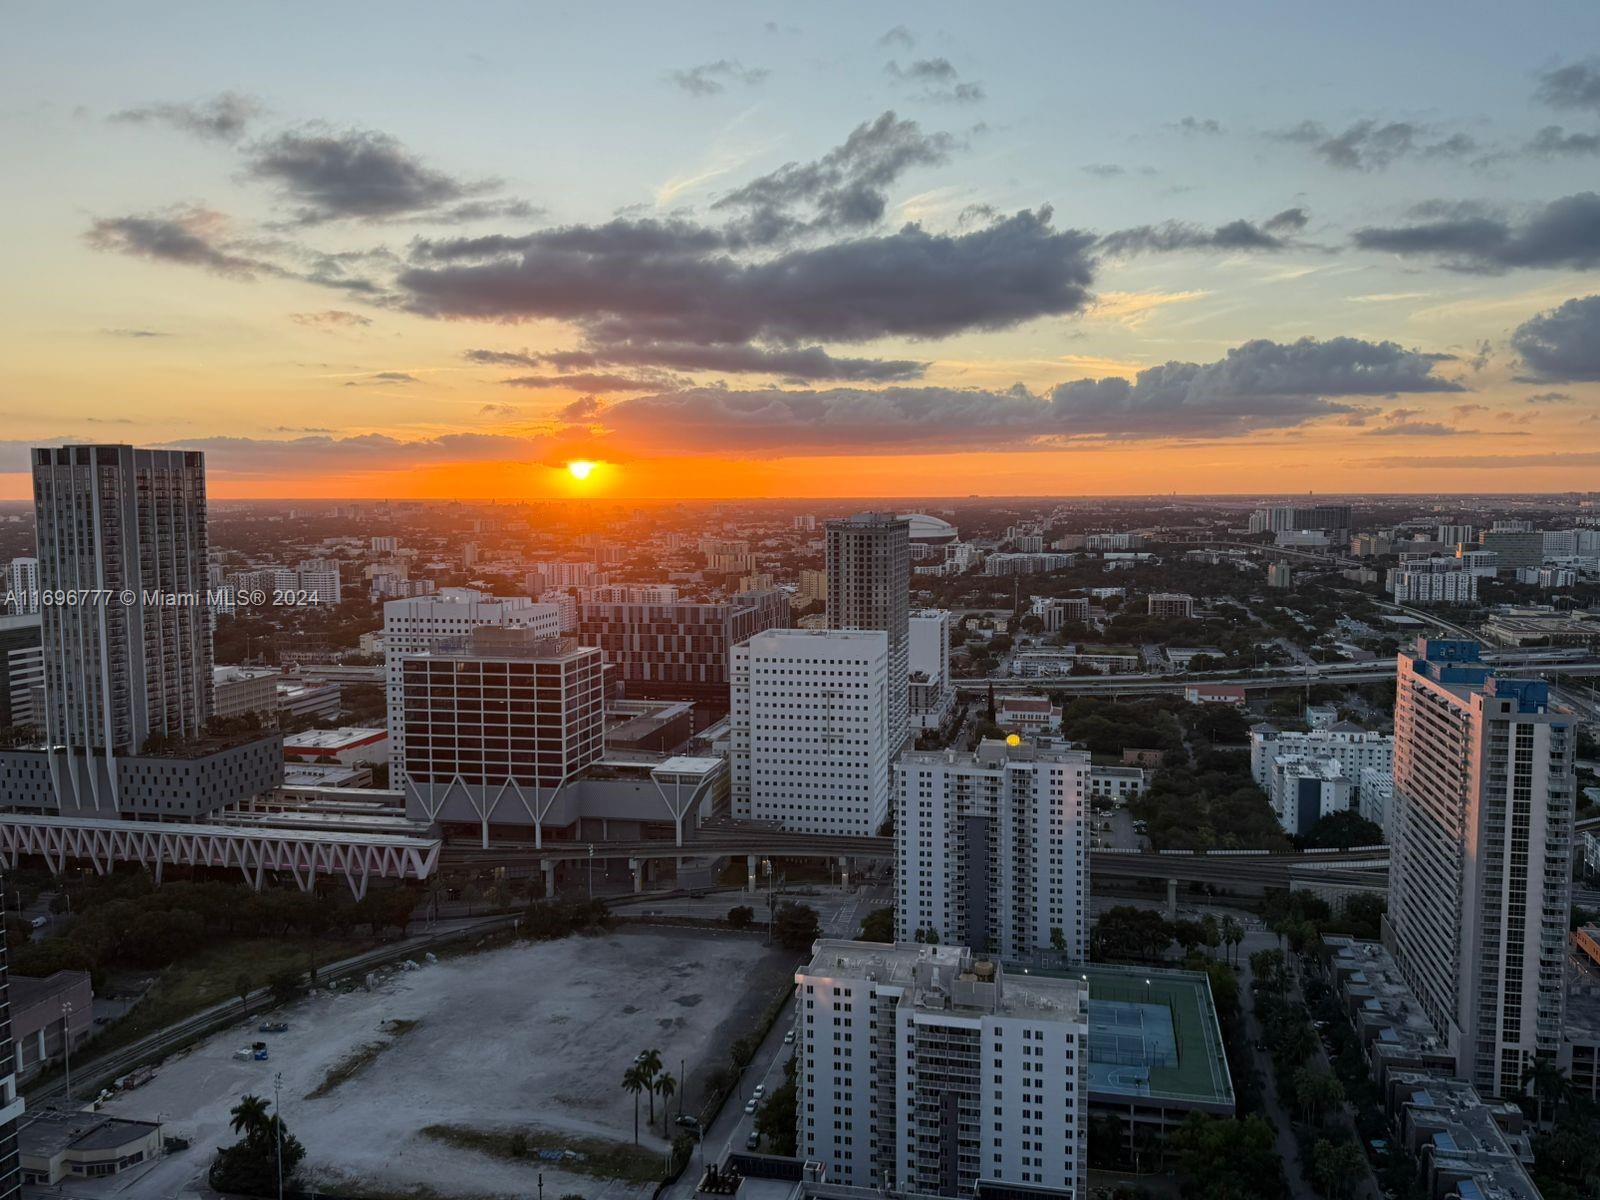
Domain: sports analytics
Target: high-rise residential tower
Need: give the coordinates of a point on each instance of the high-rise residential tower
(11, 1105)
(928, 1069)
(869, 587)
(126, 526)
(992, 849)
(1480, 829)
(809, 741)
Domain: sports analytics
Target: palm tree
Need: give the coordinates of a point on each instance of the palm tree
(633, 1080)
(250, 1118)
(1548, 1084)
(666, 1085)
(1233, 934)
(650, 1065)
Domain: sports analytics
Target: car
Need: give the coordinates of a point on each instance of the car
(788, 1038)
(753, 1142)
(750, 1106)
(761, 1090)
(687, 1121)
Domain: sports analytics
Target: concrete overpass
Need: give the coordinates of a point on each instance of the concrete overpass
(1251, 867)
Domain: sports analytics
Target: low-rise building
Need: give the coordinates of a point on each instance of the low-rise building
(1214, 693)
(1027, 714)
(237, 690)
(345, 747)
(49, 1015)
(1303, 790)
(56, 1145)
(1116, 783)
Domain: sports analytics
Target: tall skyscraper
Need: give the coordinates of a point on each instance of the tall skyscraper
(423, 623)
(1480, 829)
(11, 1105)
(869, 587)
(928, 1069)
(810, 744)
(129, 527)
(992, 849)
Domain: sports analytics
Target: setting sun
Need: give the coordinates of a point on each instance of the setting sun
(581, 468)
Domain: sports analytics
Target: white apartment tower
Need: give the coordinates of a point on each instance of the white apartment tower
(869, 587)
(992, 849)
(1480, 827)
(424, 623)
(22, 582)
(927, 1069)
(810, 739)
(127, 525)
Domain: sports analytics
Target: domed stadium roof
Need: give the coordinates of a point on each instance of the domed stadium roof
(931, 530)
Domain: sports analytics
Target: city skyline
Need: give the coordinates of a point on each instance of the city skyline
(745, 252)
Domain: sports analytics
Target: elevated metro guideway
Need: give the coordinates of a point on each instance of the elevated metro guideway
(358, 857)
(254, 849)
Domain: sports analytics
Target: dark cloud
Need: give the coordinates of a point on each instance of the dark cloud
(332, 318)
(1372, 145)
(710, 78)
(937, 78)
(1562, 233)
(1191, 126)
(499, 410)
(1428, 429)
(354, 173)
(1260, 385)
(898, 36)
(1270, 234)
(910, 283)
(1564, 343)
(1576, 85)
(384, 379)
(1555, 142)
(191, 236)
(136, 333)
(844, 189)
(223, 118)
(804, 363)
(1549, 398)
(590, 381)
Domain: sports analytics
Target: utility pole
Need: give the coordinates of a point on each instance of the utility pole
(277, 1119)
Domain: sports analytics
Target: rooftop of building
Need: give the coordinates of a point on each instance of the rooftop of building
(47, 1134)
(995, 752)
(28, 990)
(1466, 1136)
(950, 979)
(1370, 977)
(238, 673)
(1153, 1033)
(345, 738)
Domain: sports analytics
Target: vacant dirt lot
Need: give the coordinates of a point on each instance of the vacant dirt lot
(532, 1037)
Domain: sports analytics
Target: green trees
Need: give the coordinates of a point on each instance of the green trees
(1340, 831)
(1128, 934)
(1337, 1167)
(776, 1118)
(250, 1165)
(1228, 1159)
(879, 926)
(741, 916)
(1233, 935)
(547, 920)
(795, 926)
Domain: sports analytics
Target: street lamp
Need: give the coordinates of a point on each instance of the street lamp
(66, 1042)
(277, 1120)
